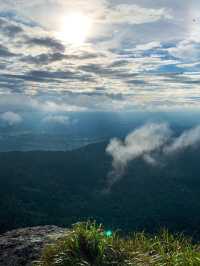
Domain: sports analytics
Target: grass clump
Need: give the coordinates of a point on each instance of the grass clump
(87, 244)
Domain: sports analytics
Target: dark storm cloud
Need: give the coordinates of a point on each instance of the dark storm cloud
(94, 68)
(114, 96)
(48, 58)
(119, 63)
(179, 78)
(2, 21)
(86, 55)
(12, 16)
(4, 52)
(60, 75)
(11, 30)
(47, 42)
(108, 70)
(136, 81)
(99, 69)
(44, 59)
(47, 76)
(11, 82)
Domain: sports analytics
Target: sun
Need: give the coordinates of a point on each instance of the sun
(75, 28)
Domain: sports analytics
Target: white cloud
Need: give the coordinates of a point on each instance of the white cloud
(188, 50)
(147, 46)
(141, 142)
(50, 106)
(101, 11)
(134, 14)
(11, 118)
(188, 139)
(145, 142)
(57, 119)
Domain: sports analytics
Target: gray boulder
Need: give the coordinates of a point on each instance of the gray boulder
(22, 247)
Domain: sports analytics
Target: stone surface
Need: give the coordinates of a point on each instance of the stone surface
(22, 247)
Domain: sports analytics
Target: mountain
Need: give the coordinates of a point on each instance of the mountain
(61, 188)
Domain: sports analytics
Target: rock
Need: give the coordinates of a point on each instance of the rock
(22, 247)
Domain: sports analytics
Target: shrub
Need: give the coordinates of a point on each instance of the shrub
(88, 244)
(85, 244)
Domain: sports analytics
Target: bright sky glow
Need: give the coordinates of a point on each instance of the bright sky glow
(75, 28)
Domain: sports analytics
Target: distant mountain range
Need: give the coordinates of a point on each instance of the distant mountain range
(43, 142)
(36, 132)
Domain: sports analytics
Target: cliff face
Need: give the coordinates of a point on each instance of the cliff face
(22, 247)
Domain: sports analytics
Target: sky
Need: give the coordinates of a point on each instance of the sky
(98, 55)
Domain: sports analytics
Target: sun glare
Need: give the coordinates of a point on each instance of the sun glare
(75, 28)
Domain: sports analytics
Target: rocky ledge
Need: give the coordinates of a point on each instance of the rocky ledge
(22, 247)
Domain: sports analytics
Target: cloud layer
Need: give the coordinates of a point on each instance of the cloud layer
(11, 118)
(128, 62)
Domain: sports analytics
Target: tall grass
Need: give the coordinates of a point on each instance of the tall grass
(88, 244)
